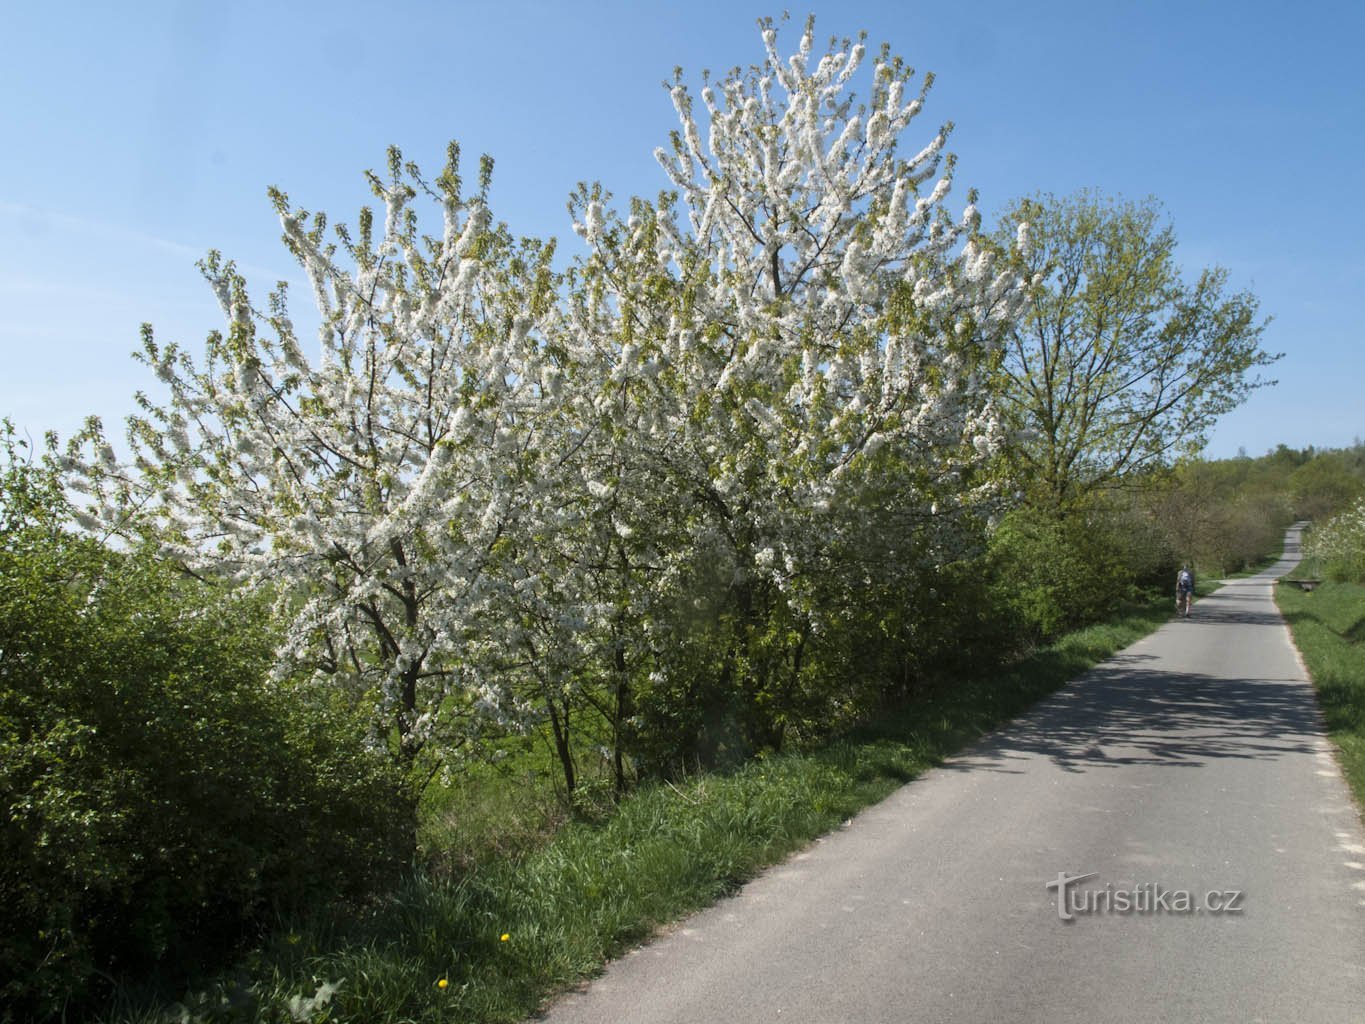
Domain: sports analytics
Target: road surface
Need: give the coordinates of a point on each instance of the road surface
(1194, 762)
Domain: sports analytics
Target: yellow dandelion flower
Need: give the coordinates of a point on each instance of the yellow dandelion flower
(443, 983)
(505, 937)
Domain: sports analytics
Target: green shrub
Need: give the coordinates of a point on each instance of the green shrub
(1051, 574)
(161, 798)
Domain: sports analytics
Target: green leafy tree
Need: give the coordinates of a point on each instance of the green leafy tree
(1328, 483)
(1121, 362)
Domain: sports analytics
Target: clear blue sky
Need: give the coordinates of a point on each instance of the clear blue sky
(134, 137)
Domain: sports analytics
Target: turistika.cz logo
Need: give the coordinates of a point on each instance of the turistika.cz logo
(1139, 898)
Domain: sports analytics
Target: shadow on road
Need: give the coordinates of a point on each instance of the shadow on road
(1209, 611)
(1128, 713)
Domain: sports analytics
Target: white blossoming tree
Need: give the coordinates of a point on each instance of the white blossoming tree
(628, 498)
(791, 350)
(374, 483)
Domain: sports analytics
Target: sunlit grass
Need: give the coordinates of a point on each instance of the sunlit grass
(1329, 629)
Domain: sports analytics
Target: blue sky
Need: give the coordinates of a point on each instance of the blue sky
(135, 137)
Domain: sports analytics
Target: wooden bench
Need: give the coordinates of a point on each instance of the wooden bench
(1304, 585)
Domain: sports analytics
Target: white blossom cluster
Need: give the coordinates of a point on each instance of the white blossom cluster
(1339, 544)
(485, 480)
(803, 331)
(371, 484)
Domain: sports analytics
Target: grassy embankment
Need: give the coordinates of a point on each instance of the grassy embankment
(1261, 566)
(513, 923)
(1328, 624)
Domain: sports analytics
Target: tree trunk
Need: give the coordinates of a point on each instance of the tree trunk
(559, 727)
(622, 712)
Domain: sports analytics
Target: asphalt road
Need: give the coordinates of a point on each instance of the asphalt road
(1194, 761)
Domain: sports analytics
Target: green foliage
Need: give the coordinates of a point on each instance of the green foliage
(1328, 483)
(1052, 574)
(1225, 516)
(160, 798)
(512, 930)
(1119, 365)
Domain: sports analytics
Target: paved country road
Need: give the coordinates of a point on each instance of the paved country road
(1193, 761)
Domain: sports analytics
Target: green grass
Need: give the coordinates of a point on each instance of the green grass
(492, 812)
(1309, 568)
(568, 902)
(1329, 629)
(1261, 566)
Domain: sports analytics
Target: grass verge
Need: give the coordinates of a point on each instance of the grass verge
(1328, 624)
(492, 944)
(1257, 567)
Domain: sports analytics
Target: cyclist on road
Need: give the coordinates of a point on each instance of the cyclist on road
(1184, 591)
